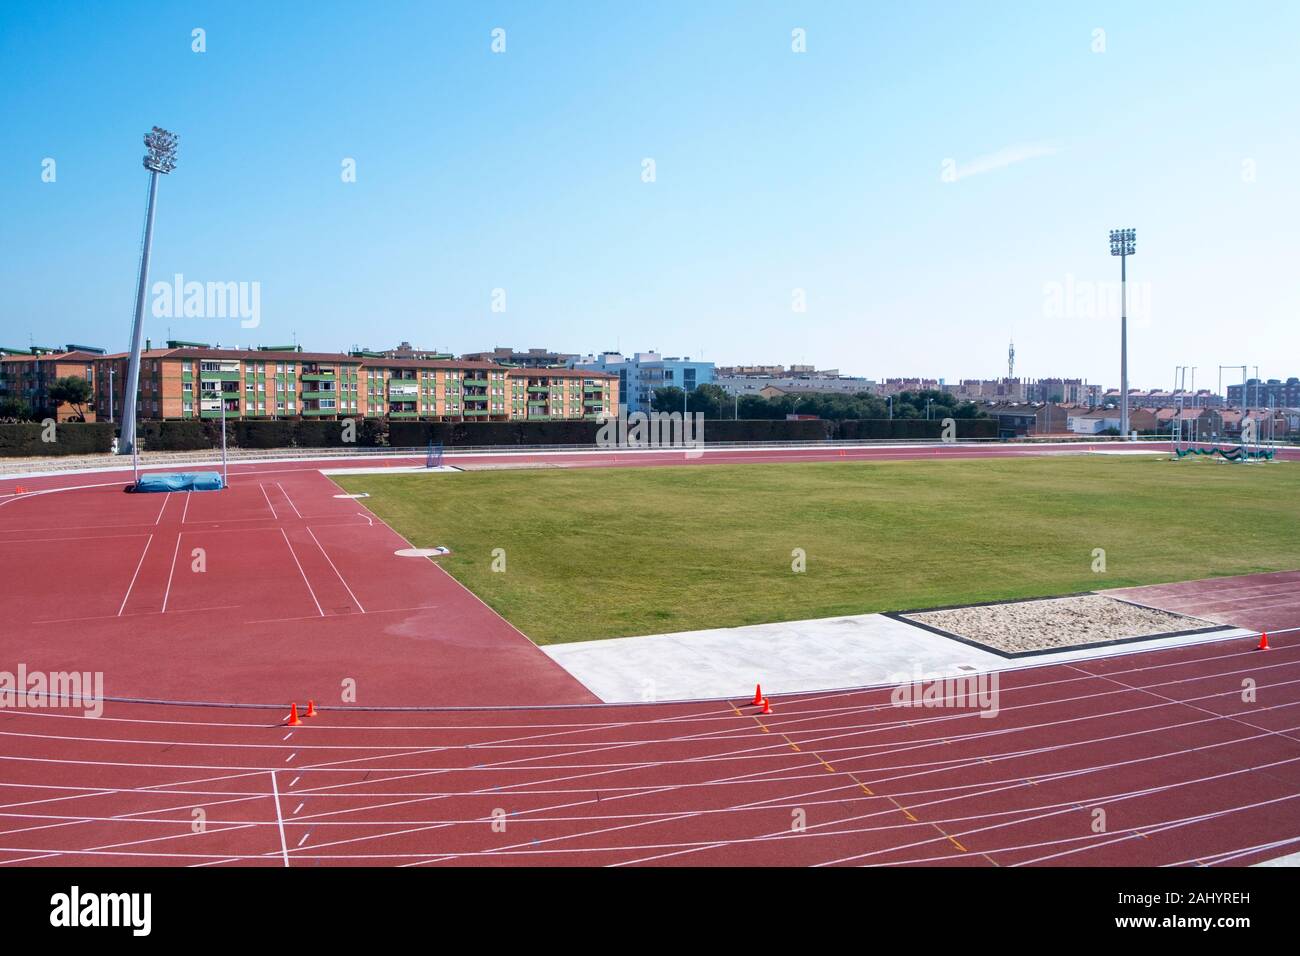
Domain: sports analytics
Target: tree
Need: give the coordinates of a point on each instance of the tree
(668, 399)
(15, 408)
(73, 391)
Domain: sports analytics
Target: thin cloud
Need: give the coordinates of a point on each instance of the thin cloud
(1007, 156)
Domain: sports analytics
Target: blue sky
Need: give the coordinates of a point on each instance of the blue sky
(775, 171)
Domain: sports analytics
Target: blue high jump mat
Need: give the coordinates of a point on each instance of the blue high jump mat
(180, 481)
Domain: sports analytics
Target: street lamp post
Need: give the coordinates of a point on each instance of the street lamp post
(1123, 243)
(161, 159)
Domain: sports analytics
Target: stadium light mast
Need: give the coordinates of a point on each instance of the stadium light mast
(1123, 243)
(160, 160)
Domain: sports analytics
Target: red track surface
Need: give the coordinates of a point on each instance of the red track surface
(302, 589)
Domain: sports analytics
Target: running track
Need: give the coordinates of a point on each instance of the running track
(301, 587)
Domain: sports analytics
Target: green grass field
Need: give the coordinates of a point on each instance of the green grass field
(596, 553)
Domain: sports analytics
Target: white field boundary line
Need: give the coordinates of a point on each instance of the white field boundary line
(1235, 718)
(289, 545)
(791, 717)
(138, 566)
(780, 802)
(194, 526)
(775, 747)
(79, 537)
(1053, 809)
(168, 593)
(1069, 773)
(158, 520)
(1012, 784)
(151, 788)
(11, 498)
(238, 466)
(268, 501)
(245, 796)
(110, 617)
(727, 715)
(589, 833)
(336, 570)
(1096, 840)
(827, 692)
(752, 776)
(288, 499)
(452, 578)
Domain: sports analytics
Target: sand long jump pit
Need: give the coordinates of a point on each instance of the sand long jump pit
(1025, 628)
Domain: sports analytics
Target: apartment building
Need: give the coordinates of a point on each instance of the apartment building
(1273, 393)
(639, 375)
(531, 358)
(822, 383)
(27, 374)
(192, 381)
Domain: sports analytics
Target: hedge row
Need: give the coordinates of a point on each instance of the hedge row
(191, 435)
(21, 439)
(194, 435)
(918, 429)
(450, 434)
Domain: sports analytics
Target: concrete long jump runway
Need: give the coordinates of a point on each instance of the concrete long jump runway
(501, 757)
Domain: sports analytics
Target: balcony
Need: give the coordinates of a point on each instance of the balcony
(317, 396)
(403, 414)
(319, 412)
(317, 376)
(206, 376)
(475, 379)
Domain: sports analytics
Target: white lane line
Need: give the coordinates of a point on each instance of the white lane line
(166, 498)
(134, 576)
(288, 499)
(336, 570)
(80, 537)
(268, 501)
(284, 847)
(303, 573)
(167, 593)
(187, 506)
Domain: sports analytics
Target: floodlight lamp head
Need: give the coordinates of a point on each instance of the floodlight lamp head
(1123, 242)
(161, 144)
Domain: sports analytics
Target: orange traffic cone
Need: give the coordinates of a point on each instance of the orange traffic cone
(294, 720)
(767, 706)
(311, 709)
(758, 695)
(1263, 641)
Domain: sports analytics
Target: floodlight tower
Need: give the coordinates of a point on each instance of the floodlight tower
(1123, 243)
(161, 159)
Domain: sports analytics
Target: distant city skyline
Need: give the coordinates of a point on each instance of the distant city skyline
(921, 184)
